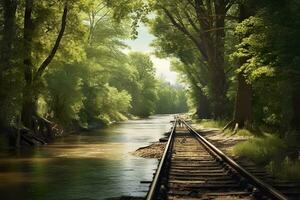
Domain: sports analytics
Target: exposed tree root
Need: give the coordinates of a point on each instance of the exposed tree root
(41, 132)
(233, 125)
(229, 125)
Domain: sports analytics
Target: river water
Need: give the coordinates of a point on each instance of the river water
(85, 166)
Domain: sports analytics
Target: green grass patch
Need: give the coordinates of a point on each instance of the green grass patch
(269, 151)
(287, 170)
(261, 150)
(244, 132)
(209, 123)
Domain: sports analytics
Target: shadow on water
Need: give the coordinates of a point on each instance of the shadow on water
(94, 165)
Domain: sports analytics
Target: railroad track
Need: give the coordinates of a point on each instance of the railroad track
(192, 168)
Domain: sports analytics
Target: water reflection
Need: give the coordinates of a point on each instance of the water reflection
(94, 165)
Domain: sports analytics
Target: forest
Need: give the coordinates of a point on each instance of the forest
(63, 67)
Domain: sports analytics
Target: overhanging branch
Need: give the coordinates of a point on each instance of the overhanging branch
(48, 60)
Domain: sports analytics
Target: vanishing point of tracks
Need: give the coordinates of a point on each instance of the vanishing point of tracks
(193, 168)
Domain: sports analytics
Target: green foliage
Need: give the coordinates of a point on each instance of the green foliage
(145, 95)
(115, 105)
(171, 99)
(64, 97)
(268, 45)
(90, 79)
(256, 48)
(135, 10)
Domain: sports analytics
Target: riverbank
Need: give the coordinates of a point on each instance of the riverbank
(29, 138)
(154, 150)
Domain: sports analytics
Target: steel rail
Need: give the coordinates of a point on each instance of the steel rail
(154, 188)
(259, 184)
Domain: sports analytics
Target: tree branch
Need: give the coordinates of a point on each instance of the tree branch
(185, 31)
(48, 60)
(191, 21)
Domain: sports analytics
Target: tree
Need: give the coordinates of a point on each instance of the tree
(192, 75)
(143, 99)
(243, 101)
(203, 23)
(8, 36)
(172, 43)
(32, 76)
(64, 95)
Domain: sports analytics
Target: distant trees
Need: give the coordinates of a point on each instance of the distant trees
(171, 99)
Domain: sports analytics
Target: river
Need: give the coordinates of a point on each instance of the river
(84, 166)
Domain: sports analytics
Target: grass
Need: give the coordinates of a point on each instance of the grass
(287, 170)
(262, 150)
(244, 132)
(270, 151)
(209, 123)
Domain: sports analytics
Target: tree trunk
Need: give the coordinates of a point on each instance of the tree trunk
(29, 108)
(218, 90)
(209, 40)
(243, 101)
(203, 109)
(29, 101)
(9, 31)
(8, 36)
(295, 123)
(215, 46)
(29, 114)
(293, 135)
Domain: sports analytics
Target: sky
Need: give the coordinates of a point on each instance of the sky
(142, 44)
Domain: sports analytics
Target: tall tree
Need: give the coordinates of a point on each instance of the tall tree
(8, 36)
(243, 100)
(173, 43)
(32, 76)
(9, 32)
(203, 23)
